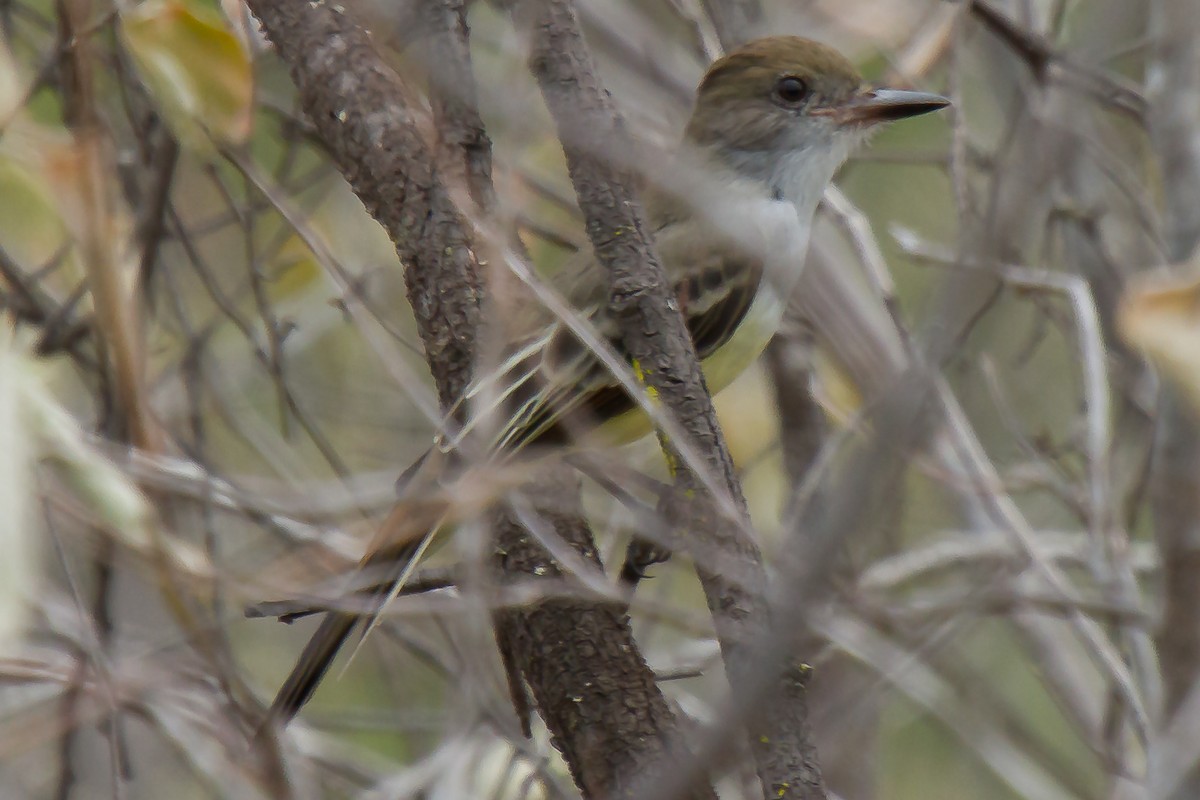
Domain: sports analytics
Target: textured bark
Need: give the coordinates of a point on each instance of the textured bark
(358, 107)
(654, 334)
(609, 724)
(464, 145)
(359, 110)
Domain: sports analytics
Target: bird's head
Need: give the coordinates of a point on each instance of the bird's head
(784, 104)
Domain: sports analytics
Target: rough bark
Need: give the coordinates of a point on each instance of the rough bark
(361, 114)
(655, 336)
(609, 728)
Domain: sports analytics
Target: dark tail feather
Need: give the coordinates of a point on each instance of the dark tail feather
(312, 665)
(388, 562)
(412, 470)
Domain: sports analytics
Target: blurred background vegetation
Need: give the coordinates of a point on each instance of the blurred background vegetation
(157, 148)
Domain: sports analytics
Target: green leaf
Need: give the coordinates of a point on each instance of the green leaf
(195, 67)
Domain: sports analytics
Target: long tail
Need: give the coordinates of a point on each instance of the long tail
(312, 665)
(388, 564)
(399, 542)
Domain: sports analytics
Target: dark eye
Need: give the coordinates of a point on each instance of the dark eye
(791, 90)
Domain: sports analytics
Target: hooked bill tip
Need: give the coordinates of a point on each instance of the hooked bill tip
(886, 105)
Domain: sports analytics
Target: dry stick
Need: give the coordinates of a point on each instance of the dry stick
(1092, 284)
(126, 412)
(1010, 214)
(905, 419)
(1098, 437)
(305, 504)
(656, 338)
(573, 654)
(1101, 182)
(542, 536)
(1041, 55)
(1099, 647)
(1047, 651)
(953, 551)
(1096, 387)
(923, 685)
(1097, 644)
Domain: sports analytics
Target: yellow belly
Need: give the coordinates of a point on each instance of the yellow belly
(720, 369)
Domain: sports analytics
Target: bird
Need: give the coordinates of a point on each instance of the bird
(730, 213)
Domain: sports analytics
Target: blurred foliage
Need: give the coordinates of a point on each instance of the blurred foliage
(264, 383)
(195, 68)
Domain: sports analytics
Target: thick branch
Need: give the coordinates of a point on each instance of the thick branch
(656, 338)
(358, 107)
(611, 723)
(467, 150)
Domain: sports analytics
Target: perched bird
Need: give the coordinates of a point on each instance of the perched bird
(731, 214)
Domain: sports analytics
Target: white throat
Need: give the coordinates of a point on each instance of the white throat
(767, 203)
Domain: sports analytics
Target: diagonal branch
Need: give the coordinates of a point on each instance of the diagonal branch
(360, 111)
(655, 336)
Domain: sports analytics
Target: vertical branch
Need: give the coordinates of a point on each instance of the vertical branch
(602, 706)
(360, 112)
(118, 330)
(656, 338)
(593, 688)
(801, 420)
(461, 135)
(118, 317)
(464, 151)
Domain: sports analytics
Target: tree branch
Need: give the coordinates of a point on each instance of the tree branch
(656, 338)
(359, 110)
